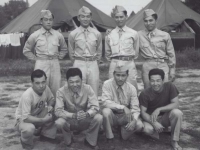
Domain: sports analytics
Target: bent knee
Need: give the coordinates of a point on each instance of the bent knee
(29, 129)
(139, 125)
(60, 122)
(98, 118)
(106, 112)
(176, 113)
(148, 129)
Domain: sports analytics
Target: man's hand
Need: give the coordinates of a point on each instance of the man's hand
(154, 115)
(128, 114)
(131, 125)
(82, 115)
(47, 118)
(172, 74)
(50, 109)
(158, 127)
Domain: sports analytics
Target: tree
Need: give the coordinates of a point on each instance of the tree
(193, 4)
(11, 10)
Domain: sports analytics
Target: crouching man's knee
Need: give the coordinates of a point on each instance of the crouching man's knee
(106, 112)
(148, 128)
(139, 126)
(176, 113)
(62, 124)
(98, 118)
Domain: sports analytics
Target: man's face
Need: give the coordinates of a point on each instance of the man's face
(156, 83)
(74, 83)
(150, 23)
(120, 19)
(39, 85)
(85, 20)
(47, 22)
(120, 77)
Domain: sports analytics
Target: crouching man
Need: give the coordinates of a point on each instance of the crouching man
(121, 106)
(33, 113)
(159, 107)
(76, 109)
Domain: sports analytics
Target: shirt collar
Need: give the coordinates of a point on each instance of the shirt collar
(83, 29)
(116, 86)
(154, 31)
(68, 90)
(123, 29)
(43, 30)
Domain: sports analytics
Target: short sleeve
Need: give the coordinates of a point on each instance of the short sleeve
(143, 100)
(173, 91)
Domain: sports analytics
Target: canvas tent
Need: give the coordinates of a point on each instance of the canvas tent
(171, 14)
(65, 13)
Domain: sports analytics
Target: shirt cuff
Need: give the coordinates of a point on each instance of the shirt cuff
(136, 116)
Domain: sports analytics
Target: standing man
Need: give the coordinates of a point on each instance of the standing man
(33, 113)
(159, 107)
(77, 109)
(49, 46)
(122, 45)
(85, 49)
(120, 106)
(157, 49)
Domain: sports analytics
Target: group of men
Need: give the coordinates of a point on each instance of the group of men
(46, 108)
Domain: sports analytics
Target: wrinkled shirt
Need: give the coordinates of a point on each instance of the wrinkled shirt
(45, 43)
(82, 46)
(126, 45)
(32, 104)
(158, 46)
(66, 105)
(109, 97)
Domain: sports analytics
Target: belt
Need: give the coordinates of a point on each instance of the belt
(156, 60)
(86, 58)
(124, 58)
(47, 58)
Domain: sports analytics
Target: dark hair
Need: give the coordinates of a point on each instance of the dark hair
(125, 12)
(155, 16)
(38, 74)
(126, 72)
(157, 71)
(71, 72)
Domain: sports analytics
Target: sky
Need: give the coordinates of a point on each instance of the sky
(107, 5)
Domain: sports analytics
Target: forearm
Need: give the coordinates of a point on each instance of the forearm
(34, 120)
(113, 105)
(146, 117)
(30, 55)
(168, 107)
(63, 114)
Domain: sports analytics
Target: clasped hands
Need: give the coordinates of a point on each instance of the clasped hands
(80, 115)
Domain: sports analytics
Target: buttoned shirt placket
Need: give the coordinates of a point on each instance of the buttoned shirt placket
(87, 49)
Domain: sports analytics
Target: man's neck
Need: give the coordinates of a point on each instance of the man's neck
(39, 94)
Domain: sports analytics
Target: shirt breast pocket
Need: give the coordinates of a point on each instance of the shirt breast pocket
(160, 45)
(55, 43)
(41, 43)
(93, 43)
(145, 46)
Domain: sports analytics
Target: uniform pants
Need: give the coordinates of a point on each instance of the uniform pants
(132, 77)
(90, 73)
(148, 65)
(110, 120)
(91, 124)
(52, 70)
(27, 130)
(172, 118)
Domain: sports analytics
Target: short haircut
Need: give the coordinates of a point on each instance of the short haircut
(157, 71)
(126, 72)
(155, 16)
(71, 72)
(38, 74)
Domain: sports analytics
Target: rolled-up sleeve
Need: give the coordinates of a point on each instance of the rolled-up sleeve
(63, 47)
(29, 47)
(59, 107)
(93, 104)
(134, 104)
